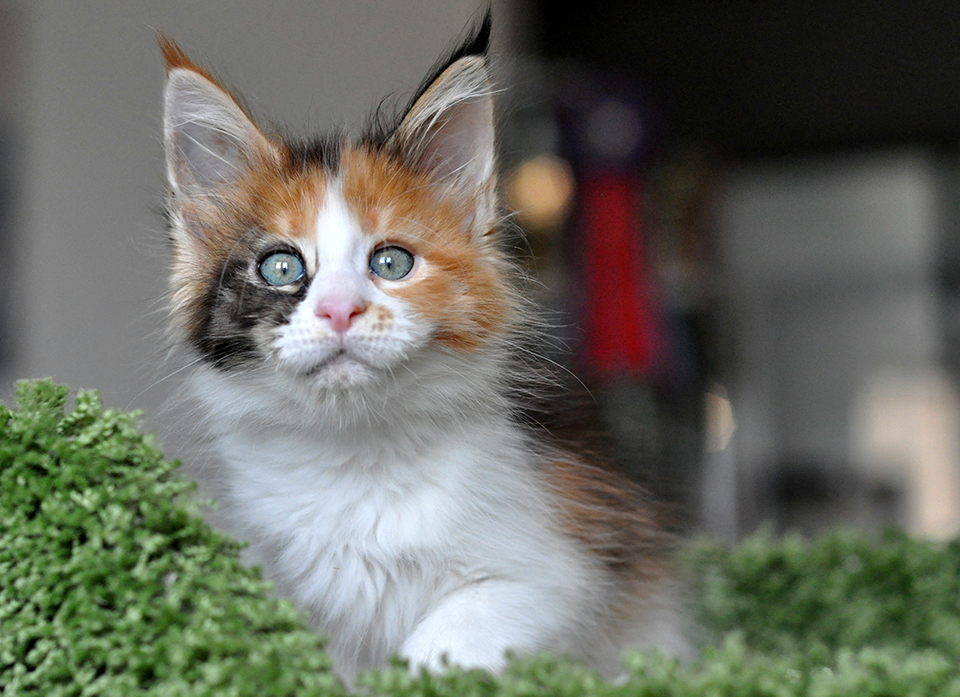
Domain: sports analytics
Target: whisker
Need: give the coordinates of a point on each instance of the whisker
(163, 379)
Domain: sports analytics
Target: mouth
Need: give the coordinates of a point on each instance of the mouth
(339, 355)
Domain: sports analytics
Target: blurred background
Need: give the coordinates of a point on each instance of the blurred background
(743, 216)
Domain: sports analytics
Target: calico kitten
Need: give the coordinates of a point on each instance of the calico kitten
(360, 333)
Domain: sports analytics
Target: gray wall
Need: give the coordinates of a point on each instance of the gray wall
(80, 86)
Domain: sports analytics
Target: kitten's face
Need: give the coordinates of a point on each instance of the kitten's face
(342, 265)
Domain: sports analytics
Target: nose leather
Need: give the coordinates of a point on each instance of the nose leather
(339, 311)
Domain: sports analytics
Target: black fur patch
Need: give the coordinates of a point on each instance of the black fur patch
(323, 153)
(234, 305)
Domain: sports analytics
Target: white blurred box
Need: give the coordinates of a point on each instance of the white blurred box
(830, 273)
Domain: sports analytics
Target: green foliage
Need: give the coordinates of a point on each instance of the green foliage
(847, 614)
(110, 584)
(844, 590)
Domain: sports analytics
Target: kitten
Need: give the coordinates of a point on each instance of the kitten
(359, 331)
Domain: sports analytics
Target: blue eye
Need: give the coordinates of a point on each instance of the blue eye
(281, 269)
(391, 263)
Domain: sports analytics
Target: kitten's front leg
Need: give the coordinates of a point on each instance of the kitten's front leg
(475, 626)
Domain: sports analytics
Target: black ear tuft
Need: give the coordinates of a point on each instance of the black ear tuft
(476, 42)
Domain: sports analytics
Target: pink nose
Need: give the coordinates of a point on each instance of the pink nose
(340, 312)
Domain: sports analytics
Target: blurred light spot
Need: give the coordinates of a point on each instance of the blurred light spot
(541, 190)
(720, 424)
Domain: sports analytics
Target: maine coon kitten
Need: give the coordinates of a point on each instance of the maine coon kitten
(357, 323)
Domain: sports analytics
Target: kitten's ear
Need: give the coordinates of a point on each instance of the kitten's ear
(448, 130)
(210, 141)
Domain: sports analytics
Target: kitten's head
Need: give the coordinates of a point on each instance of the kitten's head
(337, 263)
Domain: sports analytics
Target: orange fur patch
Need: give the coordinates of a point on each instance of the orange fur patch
(460, 286)
(610, 515)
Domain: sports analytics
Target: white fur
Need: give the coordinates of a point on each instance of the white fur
(404, 537)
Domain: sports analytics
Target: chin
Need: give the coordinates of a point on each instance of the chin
(342, 373)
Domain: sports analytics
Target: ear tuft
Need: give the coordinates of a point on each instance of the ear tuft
(173, 55)
(476, 43)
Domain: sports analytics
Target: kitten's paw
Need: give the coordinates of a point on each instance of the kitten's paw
(436, 648)
(472, 628)
(439, 659)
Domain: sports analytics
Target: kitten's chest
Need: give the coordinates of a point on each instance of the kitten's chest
(376, 500)
(350, 529)
(370, 539)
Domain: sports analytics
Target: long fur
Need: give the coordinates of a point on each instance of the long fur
(406, 480)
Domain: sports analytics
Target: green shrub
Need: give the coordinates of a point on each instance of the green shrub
(110, 584)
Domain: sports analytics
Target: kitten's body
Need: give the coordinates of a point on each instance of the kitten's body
(371, 426)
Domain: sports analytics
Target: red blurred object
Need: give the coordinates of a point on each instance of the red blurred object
(624, 330)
